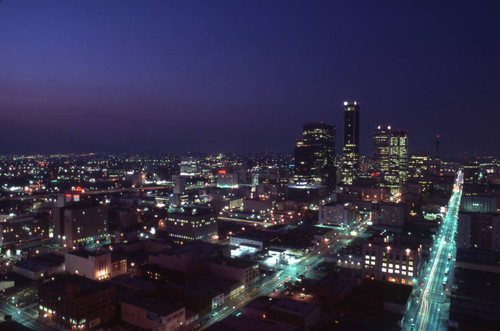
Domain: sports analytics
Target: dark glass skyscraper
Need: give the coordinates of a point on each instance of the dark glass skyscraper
(350, 150)
(315, 155)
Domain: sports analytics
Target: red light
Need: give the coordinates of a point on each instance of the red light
(222, 171)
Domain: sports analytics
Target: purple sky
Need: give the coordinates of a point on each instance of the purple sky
(177, 76)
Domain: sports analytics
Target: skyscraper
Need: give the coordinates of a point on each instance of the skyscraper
(398, 159)
(381, 148)
(351, 143)
(315, 155)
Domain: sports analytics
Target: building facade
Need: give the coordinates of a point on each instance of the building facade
(393, 263)
(479, 231)
(76, 302)
(191, 223)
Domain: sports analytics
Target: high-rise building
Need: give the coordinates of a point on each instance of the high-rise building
(381, 147)
(398, 159)
(315, 155)
(350, 150)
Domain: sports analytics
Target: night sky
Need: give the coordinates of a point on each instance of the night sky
(219, 76)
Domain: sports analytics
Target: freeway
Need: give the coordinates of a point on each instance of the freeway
(429, 307)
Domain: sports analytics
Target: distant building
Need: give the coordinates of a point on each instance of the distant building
(76, 302)
(179, 184)
(190, 166)
(350, 151)
(191, 223)
(227, 179)
(391, 262)
(315, 155)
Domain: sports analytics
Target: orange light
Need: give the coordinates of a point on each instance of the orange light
(222, 171)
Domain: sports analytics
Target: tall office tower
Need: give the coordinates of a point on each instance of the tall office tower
(190, 166)
(350, 151)
(381, 147)
(398, 163)
(315, 155)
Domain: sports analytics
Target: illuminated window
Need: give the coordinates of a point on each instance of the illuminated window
(410, 274)
(384, 269)
(391, 271)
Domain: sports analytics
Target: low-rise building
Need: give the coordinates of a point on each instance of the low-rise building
(393, 262)
(40, 267)
(336, 214)
(152, 314)
(76, 302)
(93, 265)
(245, 272)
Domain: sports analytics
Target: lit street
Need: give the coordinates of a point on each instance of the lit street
(429, 308)
(290, 272)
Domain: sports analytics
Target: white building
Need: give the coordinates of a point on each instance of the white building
(93, 265)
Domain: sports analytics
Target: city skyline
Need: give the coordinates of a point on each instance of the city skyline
(123, 77)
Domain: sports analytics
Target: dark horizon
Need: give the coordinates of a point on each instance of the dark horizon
(119, 76)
